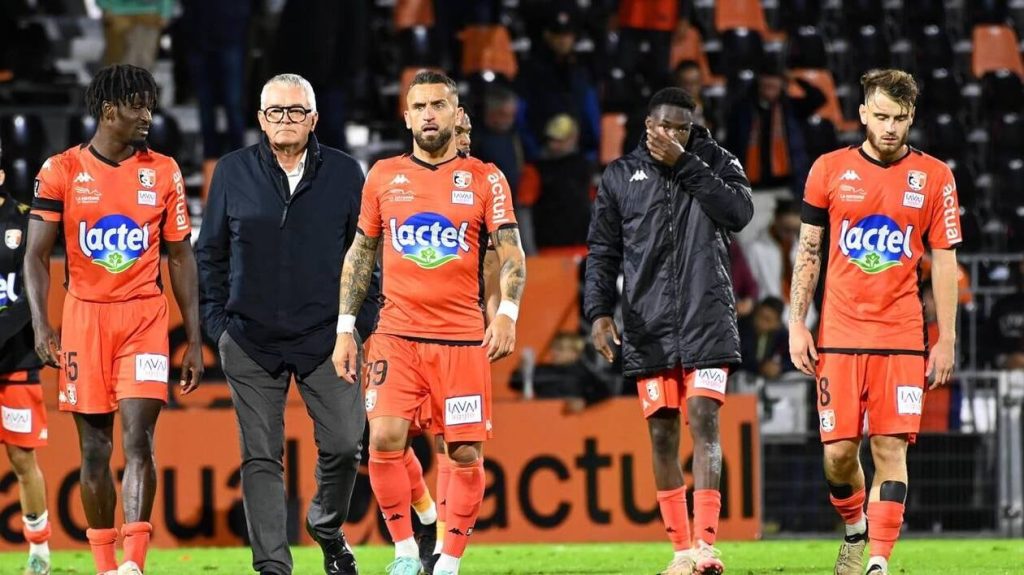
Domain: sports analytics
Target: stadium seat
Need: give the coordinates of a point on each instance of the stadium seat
(417, 47)
(940, 92)
(488, 47)
(413, 13)
(799, 13)
(740, 14)
(23, 136)
(690, 46)
(742, 49)
(924, 13)
(806, 49)
(1006, 139)
(995, 47)
(987, 12)
(820, 136)
(860, 13)
(830, 110)
(165, 134)
(945, 136)
(1002, 91)
(964, 176)
(80, 128)
(613, 134)
(20, 177)
(932, 49)
(869, 49)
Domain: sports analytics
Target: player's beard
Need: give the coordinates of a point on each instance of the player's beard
(884, 148)
(437, 143)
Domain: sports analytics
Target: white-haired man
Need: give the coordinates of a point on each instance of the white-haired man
(281, 215)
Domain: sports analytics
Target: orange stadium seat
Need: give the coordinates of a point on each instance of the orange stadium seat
(488, 47)
(830, 110)
(412, 13)
(995, 47)
(689, 46)
(740, 14)
(613, 135)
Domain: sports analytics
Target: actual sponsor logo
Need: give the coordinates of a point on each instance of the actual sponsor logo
(913, 200)
(16, 420)
(114, 242)
(429, 239)
(462, 197)
(147, 198)
(916, 180)
(462, 179)
(8, 290)
(875, 243)
(827, 419)
(12, 239)
(498, 193)
(950, 213)
(147, 177)
(713, 379)
(909, 400)
(151, 367)
(463, 409)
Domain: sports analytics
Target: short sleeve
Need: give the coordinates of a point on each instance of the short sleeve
(815, 207)
(50, 188)
(177, 226)
(944, 230)
(498, 211)
(369, 209)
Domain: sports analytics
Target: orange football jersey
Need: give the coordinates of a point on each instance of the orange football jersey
(434, 222)
(880, 220)
(114, 215)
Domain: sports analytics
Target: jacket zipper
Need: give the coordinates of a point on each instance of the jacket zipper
(287, 198)
(675, 266)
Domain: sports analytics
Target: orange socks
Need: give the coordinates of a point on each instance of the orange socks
(102, 541)
(415, 471)
(444, 475)
(851, 509)
(390, 482)
(707, 506)
(136, 541)
(465, 494)
(885, 518)
(677, 521)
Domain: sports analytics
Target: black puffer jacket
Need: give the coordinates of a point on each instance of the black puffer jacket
(665, 229)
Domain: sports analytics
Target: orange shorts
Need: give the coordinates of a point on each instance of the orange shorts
(670, 388)
(23, 412)
(112, 351)
(402, 375)
(889, 388)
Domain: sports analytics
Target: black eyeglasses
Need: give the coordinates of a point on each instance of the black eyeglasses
(276, 114)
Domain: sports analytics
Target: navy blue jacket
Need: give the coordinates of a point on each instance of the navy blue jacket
(270, 263)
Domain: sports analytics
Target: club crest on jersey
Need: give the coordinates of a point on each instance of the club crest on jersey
(147, 177)
(114, 242)
(916, 180)
(462, 179)
(428, 239)
(12, 239)
(875, 243)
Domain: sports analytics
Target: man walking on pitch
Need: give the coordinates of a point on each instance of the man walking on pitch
(882, 203)
(429, 211)
(661, 216)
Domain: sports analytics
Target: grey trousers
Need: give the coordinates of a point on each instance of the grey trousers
(339, 418)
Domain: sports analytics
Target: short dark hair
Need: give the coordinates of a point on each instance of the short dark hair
(896, 84)
(119, 84)
(671, 97)
(773, 303)
(434, 77)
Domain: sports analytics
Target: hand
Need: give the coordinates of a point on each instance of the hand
(500, 338)
(603, 329)
(801, 348)
(662, 147)
(744, 307)
(47, 344)
(191, 368)
(940, 361)
(346, 357)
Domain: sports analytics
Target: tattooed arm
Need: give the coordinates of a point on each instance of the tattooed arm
(804, 282)
(356, 273)
(500, 338)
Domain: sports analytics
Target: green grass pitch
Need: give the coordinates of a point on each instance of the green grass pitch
(797, 557)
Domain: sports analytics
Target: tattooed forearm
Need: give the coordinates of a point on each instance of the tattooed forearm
(356, 273)
(513, 263)
(805, 272)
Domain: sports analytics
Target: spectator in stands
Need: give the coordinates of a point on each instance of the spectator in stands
(215, 34)
(132, 30)
(553, 82)
(688, 76)
(744, 286)
(771, 253)
(557, 188)
(1005, 327)
(764, 341)
(564, 374)
(765, 130)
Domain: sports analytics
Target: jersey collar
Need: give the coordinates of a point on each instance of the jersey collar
(884, 165)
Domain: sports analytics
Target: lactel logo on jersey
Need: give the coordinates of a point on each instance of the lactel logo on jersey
(115, 242)
(875, 243)
(8, 290)
(428, 239)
